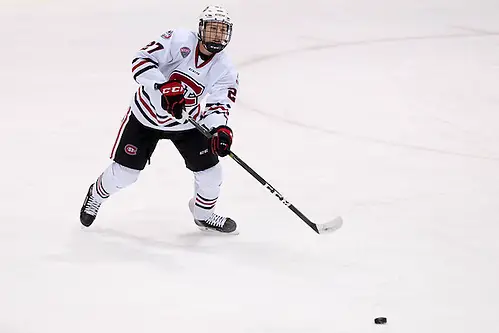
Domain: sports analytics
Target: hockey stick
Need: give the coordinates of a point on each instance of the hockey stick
(327, 227)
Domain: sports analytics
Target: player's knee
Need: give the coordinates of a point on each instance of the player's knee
(211, 177)
(123, 175)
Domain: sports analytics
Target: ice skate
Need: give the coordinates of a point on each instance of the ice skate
(215, 223)
(90, 208)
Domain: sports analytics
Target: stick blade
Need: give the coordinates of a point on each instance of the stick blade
(330, 226)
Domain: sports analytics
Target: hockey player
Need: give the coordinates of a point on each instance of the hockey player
(175, 73)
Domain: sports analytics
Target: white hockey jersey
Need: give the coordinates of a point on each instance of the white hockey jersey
(175, 56)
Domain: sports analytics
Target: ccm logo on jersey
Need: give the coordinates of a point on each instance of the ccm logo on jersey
(130, 149)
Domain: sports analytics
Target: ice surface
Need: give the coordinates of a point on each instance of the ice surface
(383, 112)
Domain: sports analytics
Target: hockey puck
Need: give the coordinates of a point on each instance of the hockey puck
(380, 320)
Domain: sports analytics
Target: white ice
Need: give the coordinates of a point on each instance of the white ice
(384, 112)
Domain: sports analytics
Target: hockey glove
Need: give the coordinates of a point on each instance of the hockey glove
(221, 140)
(172, 99)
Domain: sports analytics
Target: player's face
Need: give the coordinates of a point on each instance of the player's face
(215, 32)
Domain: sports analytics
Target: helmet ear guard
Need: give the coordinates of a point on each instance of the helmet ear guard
(214, 14)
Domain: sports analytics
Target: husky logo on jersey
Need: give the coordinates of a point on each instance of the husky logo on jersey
(193, 89)
(130, 149)
(184, 51)
(167, 34)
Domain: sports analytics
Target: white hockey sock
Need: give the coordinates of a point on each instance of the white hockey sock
(206, 190)
(113, 179)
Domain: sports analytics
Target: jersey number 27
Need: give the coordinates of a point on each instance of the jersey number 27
(152, 47)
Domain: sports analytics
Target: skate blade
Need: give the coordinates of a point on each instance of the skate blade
(215, 232)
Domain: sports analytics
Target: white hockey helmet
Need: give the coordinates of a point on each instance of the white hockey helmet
(214, 14)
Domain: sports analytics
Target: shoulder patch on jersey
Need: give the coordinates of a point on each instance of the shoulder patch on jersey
(184, 51)
(167, 34)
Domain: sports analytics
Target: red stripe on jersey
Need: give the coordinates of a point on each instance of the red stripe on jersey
(217, 107)
(220, 107)
(151, 111)
(139, 64)
(197, 113)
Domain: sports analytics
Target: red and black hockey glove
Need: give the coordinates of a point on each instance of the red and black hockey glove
(172, 99)
(221, 140)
